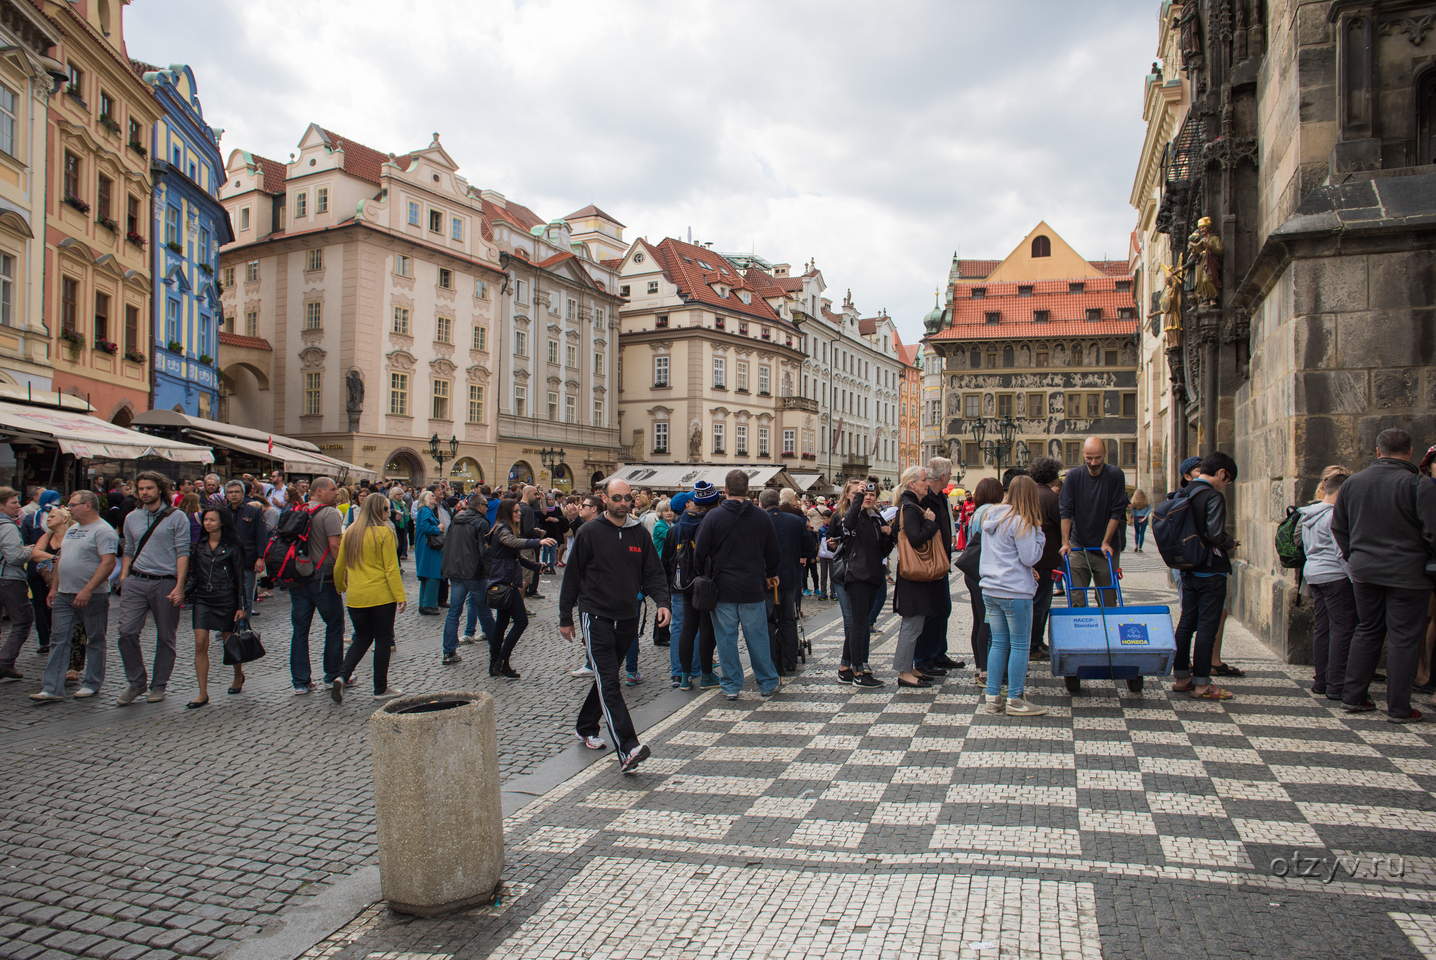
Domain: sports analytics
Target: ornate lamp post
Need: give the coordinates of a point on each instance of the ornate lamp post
(439, 454)
(997, 450)
(551, 458)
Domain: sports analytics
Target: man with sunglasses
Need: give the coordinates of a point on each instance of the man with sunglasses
(81, 591)
(610, 563)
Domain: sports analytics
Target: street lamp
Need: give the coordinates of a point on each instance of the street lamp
(551, 458)
(997, 450)
(439, 454)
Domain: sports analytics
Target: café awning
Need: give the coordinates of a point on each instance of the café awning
(294, 461)
(91, 438)
(683, 476)
(293, 454)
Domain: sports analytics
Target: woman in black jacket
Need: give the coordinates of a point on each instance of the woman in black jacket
(866, 541)
(506, 566)
(215, 587)
(915, 600)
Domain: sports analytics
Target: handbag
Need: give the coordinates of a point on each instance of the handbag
(920, 564)
(434, 540)
(705, 588)
(242, 646)
(970, 560)
(499, 596)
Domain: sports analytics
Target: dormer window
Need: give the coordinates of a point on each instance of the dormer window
(1124, 286)
(979, 293)
(1024, 291)
(1126, 313)
(1041, 316)
(1076, 288)
(1095, 313)
(993, 317)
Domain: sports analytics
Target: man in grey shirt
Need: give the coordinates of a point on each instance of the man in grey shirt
(14, 591)
(152, 582)
(81, 591)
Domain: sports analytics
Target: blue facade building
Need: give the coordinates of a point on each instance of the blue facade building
(190, 226)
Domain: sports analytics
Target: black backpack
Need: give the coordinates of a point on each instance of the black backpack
(684, 569)
(286, 556)
(1174, 528)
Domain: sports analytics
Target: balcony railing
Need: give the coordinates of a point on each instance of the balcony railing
(798, 403)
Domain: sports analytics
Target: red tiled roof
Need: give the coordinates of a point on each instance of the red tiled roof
(372, 226)
(1027, 329)
(486, 229)
(977, 269)
(1067, 311)
(237, 340)
(1113, 268)
(867, 326)
(789, 284)
(906, 354)
(273, 173)
(592, 211)
(613, 264)
(363, 162)
(683, 266)
(514, 213)
(557, 257)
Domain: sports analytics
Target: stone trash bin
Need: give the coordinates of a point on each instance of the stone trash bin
(437, 809)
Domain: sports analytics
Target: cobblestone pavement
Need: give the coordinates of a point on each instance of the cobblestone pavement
(154, 831)
(831, 820)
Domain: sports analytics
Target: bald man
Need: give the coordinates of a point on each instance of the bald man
(1093, 506)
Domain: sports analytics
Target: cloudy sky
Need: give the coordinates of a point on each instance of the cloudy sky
(875, 138)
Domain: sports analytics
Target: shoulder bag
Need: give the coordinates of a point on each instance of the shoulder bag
(920, 564)
(243, 645)
(705, 588)
(499, 596)
(970, 560)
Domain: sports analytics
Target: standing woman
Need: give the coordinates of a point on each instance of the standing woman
(189, 506)
(834, 540)
(1141, 514)
(366, 571)
(915, 600)
(56, 521)
(400, 519)
(34, 530)
(868, 540)
(1012, 542)
(987, 493)
(507, 567)
(215, 588)
(428, 562)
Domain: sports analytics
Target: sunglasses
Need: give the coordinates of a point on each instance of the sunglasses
(621, 497)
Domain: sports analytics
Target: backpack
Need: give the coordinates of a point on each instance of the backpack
(684, 569)
(1289, 548)
(1174, 528)
(286, 556)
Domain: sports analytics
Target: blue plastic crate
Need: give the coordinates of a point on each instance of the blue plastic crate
(1136, 642)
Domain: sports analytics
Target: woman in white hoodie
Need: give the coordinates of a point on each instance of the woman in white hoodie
(1012, 542)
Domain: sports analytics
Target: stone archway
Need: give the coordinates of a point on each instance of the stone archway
(595, 480)
(123, 414)
(405, 464)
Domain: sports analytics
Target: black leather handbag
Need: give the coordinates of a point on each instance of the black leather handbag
(499, 596)
(242, 646)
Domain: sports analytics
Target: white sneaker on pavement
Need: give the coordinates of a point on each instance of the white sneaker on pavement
(84, 692)
(1017, 707)
(581, 672)
(593, 743)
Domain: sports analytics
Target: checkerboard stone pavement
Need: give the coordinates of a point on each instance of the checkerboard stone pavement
(831, 820)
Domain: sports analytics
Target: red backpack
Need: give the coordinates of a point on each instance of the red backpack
(286, 556)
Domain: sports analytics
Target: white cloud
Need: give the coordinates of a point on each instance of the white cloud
(876, 138)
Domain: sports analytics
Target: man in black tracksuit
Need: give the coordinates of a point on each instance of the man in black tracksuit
(609, 565)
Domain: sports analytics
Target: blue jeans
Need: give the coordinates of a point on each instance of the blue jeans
(675, 631)
(1139, 531)
(305, 598)
(547, 555)
(473, 592)
(428, 592)
(1011, 622)
(96, 616)
(753, 617)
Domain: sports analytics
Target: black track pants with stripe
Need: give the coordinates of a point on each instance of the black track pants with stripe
(607, 642)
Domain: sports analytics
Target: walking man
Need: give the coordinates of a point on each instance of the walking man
(791, 532)
(318, 593)
(253, 535)
(609, 565)
(743, 546)
(1384, 523)
(1093, 504)
(14, 590)
(464, 567)
(81, 591)
(152, 577)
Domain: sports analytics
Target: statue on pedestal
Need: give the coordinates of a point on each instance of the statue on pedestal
(1204, 254)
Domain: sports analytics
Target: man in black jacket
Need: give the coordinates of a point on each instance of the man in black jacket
(740, 540)
(464, 566)
(931, 654)
(1204, 590)
(1384, 523)
(791, 532)
(253, 536)
(609, 565)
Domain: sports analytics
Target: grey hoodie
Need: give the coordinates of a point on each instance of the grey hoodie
(1324, 563)
(1007, 558)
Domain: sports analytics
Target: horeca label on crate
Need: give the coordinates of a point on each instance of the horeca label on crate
(1133, 634)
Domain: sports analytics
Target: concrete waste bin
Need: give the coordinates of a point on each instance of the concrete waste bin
(437, 809)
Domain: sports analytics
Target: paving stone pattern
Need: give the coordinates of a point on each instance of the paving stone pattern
(154, 831)
(831, 820)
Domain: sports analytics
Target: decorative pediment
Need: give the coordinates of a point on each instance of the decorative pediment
(399, 300)
(719, 411)
(443, 367)
(599, 344)
(521, 375)
(599, 390)
(555, 329)
(554, 381)
(478, 372)
(765, 357)
(660, 412)
(720, 347)
(401, 360)
(661, 346)
(521, 321)
(765, 418)
(744, 353)
(742, 416)
(571, 384)
(175, 277)
(311, 357)
(571, 334)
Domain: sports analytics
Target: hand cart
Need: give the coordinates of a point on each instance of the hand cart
(1109, 642)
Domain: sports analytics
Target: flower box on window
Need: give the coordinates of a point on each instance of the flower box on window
(171, 245)
(663, 450)
(134, 356)
(208, 270)
(73, 89)
(135, 238)
(108, 224)
(174, 346)
(78, 204)
(788, 454)
(139, 148)
(108, 346)
(810, 456)
(206, 358)
(74, 337)
(109, 123)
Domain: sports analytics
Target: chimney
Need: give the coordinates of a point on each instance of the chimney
(494, 197)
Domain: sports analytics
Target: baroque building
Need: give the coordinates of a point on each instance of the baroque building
(909, 407)
(1296, 324)
(1045, 342)
(189, 227)
(26, 87)
(374, 279)
(97, 278)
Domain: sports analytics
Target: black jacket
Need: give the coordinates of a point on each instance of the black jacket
(216, 577)
(253, 533)
(506, 563)
(792, 534)
(917, 598)
(464, 547)
(1384, 523)
(1051, 530)
(864, 545)
(750, 559)
(1210, 510)
(608, 567)
(938, 504)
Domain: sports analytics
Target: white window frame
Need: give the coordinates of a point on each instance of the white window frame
(597, 412)
(740, 375)
(720, 373)
(403, 265)
(301, 205)
(571, 356)
(661, 367)
(570, 409)
(764, 379)
(718, 439)
(415, 214)
(790, 441)
(660, 430)
(553, 351)
(763, 436)
(740, 440)
(321, 200)
(9, 118)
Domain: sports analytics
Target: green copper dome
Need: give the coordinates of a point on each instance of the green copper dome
(932, 323)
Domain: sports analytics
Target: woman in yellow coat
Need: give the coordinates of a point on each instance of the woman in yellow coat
(366, 571)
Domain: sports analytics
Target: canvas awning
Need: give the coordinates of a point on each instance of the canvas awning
(804, 481)
(90, 438)
(295, 461)
(683, 476)
(297, 456)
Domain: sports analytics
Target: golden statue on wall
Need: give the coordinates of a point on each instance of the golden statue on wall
(1172, 304)
(1204, 254)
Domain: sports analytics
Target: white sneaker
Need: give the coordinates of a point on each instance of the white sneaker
(83, 692)
(581, 672)
(1017, 707)
(593, 743)
(994, 704)
(389, 693)
(467, 638)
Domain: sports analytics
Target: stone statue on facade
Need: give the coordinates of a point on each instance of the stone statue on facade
(695, 440)
(355, 383)
(1204, 254)
(1190, 40)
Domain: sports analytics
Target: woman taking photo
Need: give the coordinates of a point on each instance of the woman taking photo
(915, 600)
(987, 493)
(214, 587)
(428, 561)
(1012, 542)
(366, 571)
(507, 568)
(867, 540)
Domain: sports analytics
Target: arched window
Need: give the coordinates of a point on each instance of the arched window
(975, 360)
(1077, 355)
(1041, 247)
(1007, 358)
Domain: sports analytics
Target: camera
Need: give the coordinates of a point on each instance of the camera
(871, 487)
